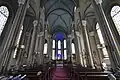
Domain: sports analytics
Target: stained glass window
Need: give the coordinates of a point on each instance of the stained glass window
(65, 43)
(59, 44)
(115, 14)
(4, 13)
(65, 50)
(53, 46)
(53, 50)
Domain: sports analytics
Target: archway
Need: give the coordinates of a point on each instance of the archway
(115, 14)
(4, 14)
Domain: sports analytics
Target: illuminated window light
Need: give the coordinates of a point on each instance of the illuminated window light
(53, 46)
(73, 48)
(65, 43)
(59, 44)
(65, 54)
(53, 54)
(45, 48)
(4, 13)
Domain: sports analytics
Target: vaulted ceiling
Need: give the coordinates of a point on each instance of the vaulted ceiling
(59, 14)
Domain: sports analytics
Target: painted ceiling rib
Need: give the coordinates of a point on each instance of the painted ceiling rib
(54, 14)
(33, 9)
(59, 9)
(64, 21)
(54, 21)
(59, 14)
(64, 14)
(74, 2)
(87, 8)
(66, 6)
(51, 6)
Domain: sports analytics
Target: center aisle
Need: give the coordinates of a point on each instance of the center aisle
(60, 73)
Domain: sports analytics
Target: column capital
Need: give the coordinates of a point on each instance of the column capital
(49, 36)
(98, 1)
(77, 33)
(69, 36)
(35, 22)
(78, 9)
(21, 2)
(84, 22)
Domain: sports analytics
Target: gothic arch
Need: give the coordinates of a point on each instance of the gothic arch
(110, 20)
(4, 17)
(59, 9)
(113, 16)
(8, 22)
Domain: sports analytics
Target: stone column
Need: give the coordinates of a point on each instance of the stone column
(49, 49)
(27, 44)
(110, 42)
(100, 51)
(69, 48)
(40, 50)
(62, 49)
(7, 52)
(56, 49)
(36, 46)
(79, 58)
(88, 44)
(96, 56)
(24, 41)
(32, 44)
(83, 49)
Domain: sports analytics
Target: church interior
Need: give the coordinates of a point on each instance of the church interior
(59, 39)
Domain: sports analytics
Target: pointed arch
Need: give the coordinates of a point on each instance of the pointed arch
(4, 14)
(115, 14)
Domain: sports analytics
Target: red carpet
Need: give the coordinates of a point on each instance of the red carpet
(60, 74)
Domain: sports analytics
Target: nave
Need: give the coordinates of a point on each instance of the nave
(60, 71)
(59, 39)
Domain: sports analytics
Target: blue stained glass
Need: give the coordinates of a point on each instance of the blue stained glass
(59, 36)
(59, 55)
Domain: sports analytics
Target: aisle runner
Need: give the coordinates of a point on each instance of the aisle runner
(60, 73)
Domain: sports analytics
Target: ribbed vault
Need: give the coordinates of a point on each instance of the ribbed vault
(59, 14)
